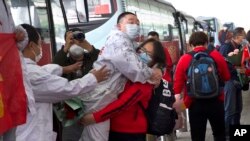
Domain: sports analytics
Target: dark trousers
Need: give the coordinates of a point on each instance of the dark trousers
(200, 112)
(115, 136)
(233, 105)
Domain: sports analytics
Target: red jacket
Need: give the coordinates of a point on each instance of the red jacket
(125, 113)
(245, 56)
(180, 77)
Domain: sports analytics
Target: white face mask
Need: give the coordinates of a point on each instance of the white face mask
(133, 30)
(76, 51)
(39, 56)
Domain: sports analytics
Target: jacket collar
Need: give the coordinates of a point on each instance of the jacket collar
(199, 48)
(29, 61)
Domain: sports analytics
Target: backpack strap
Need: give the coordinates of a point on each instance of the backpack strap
(192, 53)
(208, 51)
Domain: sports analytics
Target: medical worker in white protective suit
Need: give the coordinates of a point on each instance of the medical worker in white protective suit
(120, 57)
(7, 26)
(48, 87)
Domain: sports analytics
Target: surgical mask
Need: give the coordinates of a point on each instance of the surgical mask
(76, 51)
(145, 58)
(39, 56)
(133, 30)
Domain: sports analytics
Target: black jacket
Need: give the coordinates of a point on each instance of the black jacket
(61, 58)
(224, 50)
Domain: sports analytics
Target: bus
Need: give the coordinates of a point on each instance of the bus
(214, 26)
(52, 18)
(230, 25)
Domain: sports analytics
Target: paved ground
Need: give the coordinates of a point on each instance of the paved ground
(185, 136)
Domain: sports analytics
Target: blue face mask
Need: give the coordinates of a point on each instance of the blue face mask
(145, 58)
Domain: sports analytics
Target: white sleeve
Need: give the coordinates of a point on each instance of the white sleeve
(53, 69)
(128, 63)
(53, 88)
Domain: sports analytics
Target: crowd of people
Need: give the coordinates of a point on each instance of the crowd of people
(109, 83)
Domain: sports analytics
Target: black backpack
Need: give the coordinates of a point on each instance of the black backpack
(160, 114)
(203, 80)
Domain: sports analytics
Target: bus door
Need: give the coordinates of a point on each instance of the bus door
(95, 17)
(41, 14)
(181, 23)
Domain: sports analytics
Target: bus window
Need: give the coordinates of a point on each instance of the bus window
(75, 11)
(58, 23)
(90, 14)
(34, 12)
(167, 21)
(24, 13)
(144, 16)
(132, 6)
(156, 18)
(99, 9)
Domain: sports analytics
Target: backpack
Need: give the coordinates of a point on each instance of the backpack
(159, 113)
(202, 76)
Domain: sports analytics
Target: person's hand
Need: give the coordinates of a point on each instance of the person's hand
(156, 76)
(236, 51)
(72, 68)
(101, 74)
(230, 53)
(87, 119)
(84, 44)
(179, 104)
(69, 41)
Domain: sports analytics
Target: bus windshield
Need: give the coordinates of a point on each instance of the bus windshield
(91, 13)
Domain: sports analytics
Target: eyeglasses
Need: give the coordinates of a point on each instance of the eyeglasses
(142, 49)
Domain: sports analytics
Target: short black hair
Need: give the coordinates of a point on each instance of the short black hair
(198, 38)
(73, 30)
(122, 15)
(238, 31)
(153, 33)
(33, 35)
(159, 56)
(248, 36)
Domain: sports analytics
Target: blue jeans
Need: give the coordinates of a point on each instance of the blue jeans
(233, 104)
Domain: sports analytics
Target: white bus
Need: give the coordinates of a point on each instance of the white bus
(215, 27)
(97, 17)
